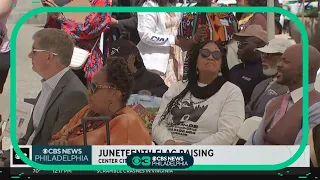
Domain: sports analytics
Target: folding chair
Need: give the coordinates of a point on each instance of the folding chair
(247, 128)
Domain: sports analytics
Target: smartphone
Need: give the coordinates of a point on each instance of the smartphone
(203, 21)
(203, 18)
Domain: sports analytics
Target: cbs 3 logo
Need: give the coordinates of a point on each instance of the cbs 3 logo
(144, 161)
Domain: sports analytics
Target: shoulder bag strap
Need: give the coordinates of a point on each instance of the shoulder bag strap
(95, 44)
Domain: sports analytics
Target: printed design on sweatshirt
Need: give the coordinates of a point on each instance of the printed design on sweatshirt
(2, 35)
(184, 116)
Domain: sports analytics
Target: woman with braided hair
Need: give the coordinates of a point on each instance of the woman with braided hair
(204, 110)
(108, 93)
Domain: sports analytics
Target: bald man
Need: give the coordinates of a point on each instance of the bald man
(282, 120)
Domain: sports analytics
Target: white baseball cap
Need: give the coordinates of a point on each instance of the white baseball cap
(277, 45)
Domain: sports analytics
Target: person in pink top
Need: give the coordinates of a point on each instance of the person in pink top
(6, 7)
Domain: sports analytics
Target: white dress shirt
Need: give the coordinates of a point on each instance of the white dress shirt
(48, 87)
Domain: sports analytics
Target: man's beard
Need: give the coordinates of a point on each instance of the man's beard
(270, 71)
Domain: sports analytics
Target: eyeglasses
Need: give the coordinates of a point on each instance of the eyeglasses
(268, 55)
(93, 87)
(242, 44)
(206, 53)
(41, 50)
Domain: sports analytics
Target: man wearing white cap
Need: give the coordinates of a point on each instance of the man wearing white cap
(281, 123)
(268, 89)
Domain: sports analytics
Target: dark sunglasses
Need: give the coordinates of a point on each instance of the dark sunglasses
(93, 87)
(206, 53)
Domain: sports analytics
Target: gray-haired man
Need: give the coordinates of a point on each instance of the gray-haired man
(268, 89)
(62, 94)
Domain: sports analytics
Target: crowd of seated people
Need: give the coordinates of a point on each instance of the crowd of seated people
(224, 86)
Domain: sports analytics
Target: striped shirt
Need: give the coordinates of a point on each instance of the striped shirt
(47, 88)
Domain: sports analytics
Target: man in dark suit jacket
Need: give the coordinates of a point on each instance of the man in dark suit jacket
(268, 89)
(62, 94)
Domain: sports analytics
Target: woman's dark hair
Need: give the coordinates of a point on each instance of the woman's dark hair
(125, 48)
(138, 62)
(192, 76)
(119, 75)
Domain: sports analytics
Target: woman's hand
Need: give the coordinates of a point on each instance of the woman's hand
(49, 3)
(59, 142)
(114, 22)
(56, 15)
(170, 142)
(200, 33)
(182, 143)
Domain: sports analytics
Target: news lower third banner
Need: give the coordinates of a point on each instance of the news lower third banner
(153, 157)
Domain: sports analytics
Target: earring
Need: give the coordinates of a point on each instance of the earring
(220, 74)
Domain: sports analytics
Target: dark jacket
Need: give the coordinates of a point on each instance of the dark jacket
(246, 76)
(146, 80)
(128, 22)
(68, 98)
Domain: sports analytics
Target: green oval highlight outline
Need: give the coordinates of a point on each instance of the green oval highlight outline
(254, 167)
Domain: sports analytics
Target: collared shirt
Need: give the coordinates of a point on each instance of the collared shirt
(47, 88)
(296, 95)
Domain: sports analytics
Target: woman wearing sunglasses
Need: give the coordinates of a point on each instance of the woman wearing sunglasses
(108, 94)
(205, 110)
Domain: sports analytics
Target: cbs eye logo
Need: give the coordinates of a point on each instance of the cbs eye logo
(16, 158)
(144, 161)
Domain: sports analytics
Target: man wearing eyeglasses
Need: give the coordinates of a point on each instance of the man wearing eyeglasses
(248, 73)
(62, 94)
(268, 89)
(281, 123)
